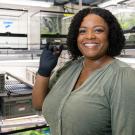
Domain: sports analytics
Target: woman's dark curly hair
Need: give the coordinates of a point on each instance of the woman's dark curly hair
(116, 37)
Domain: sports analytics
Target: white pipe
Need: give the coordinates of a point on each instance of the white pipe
(80, 4)
(27, 3)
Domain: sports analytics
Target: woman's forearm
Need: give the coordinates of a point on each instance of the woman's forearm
(39, 92)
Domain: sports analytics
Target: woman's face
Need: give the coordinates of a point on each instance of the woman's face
(92, 39)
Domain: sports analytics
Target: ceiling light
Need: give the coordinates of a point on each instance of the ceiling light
(109, 3)
(28, 3)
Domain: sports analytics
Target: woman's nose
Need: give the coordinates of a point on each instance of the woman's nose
(90, 35)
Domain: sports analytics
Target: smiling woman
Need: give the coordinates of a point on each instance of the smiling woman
(93, 94)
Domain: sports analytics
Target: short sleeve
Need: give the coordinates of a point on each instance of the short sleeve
(123, 102)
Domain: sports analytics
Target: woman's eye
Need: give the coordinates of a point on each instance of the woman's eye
(82, 31)
(99, 30)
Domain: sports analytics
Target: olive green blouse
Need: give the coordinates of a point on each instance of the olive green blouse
(103, 105)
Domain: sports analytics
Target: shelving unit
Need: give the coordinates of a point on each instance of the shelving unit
(52, 27)
(13, 28)
(21, 124)
(16, 112)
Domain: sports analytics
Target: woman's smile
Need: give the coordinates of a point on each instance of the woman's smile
(91, 45)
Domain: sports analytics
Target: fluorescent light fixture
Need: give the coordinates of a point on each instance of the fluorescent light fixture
(109, 3)
(130, 2)
(121, 10)
(27, 3)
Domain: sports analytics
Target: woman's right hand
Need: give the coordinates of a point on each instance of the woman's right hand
(49, 59)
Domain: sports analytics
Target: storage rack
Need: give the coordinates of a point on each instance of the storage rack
(14, 28)
(16, 106)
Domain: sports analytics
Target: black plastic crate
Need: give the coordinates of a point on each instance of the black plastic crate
(16, 106)
(2, 83)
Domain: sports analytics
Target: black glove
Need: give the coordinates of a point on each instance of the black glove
(49, 59)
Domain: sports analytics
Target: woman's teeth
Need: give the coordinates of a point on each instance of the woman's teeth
(90, 45)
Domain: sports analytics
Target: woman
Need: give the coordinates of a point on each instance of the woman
(94, 93)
